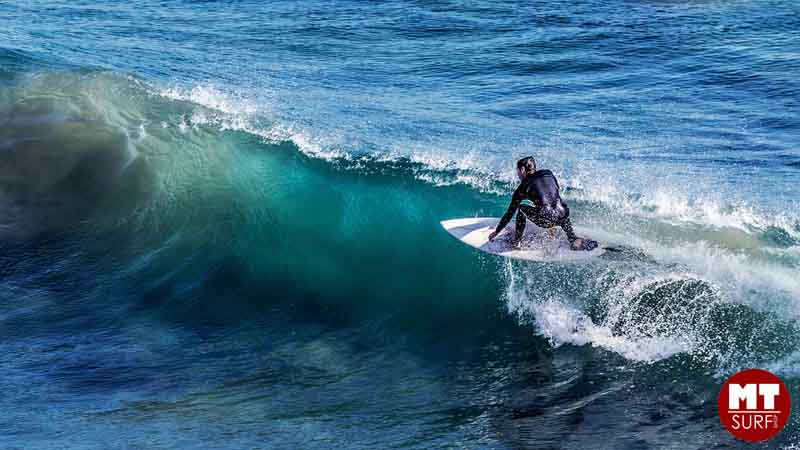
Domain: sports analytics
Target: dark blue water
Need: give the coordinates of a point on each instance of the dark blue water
(220, 222)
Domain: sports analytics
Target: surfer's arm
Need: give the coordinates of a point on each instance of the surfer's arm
(516, 200)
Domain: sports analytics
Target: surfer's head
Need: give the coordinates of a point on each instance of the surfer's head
(525, 167)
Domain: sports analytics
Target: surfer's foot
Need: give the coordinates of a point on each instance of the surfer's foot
(583, 244)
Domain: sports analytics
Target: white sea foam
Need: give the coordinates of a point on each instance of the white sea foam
(562, 322)
(238, 114)
(700, 277)
(672, 204)
(739, 274)
(485, 172)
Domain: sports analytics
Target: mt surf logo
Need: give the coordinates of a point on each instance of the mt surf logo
(754, 405)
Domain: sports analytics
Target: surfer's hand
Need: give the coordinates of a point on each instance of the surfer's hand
(492, 236)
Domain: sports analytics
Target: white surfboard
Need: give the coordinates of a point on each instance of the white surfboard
(536, 245)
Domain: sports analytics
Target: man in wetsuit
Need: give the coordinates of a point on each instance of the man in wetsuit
(548, 210)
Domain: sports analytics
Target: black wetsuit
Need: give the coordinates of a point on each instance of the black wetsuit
(548, 210)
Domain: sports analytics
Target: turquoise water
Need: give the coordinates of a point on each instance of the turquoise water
(220, 222)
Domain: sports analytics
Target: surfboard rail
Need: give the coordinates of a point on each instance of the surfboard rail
(536, 244)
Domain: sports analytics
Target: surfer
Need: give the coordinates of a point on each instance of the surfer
(548, 210)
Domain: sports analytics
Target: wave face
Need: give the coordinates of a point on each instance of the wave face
(243, 239)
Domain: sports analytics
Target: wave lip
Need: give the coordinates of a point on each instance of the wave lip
(488, 174)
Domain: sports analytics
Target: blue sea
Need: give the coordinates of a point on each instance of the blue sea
(219, 222)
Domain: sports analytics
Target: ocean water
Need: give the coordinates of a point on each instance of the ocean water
(219, 222)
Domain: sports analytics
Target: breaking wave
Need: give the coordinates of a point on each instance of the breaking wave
(178, 175)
